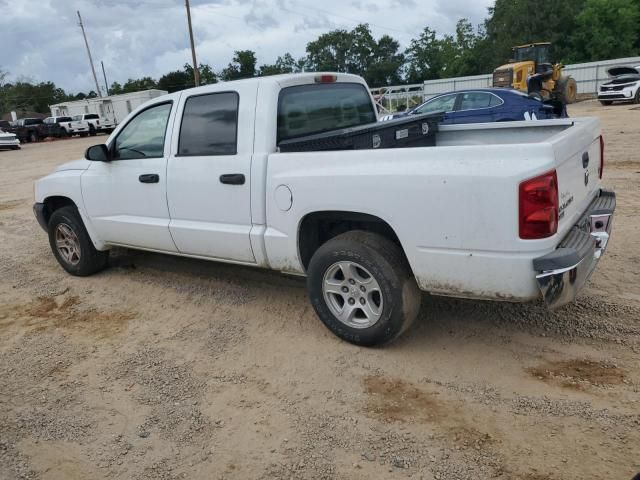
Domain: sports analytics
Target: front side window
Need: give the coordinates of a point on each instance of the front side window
(209, 125)
(475, 100)
(143, 136)
(440, 104)
(308, 109)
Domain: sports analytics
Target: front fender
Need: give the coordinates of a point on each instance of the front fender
(66, 184)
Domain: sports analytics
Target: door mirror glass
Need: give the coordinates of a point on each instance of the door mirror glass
(97, 153)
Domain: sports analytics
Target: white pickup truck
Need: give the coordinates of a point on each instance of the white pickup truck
(91, 123)
(504, 211)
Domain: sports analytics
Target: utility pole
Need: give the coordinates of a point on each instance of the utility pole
(196, 73)
(93, 70)
(106, 85)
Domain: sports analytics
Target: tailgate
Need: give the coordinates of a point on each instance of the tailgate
(577, 156)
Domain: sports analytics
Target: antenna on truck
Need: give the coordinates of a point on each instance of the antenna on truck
(95, 78)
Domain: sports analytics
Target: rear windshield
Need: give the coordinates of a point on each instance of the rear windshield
(64, 119)
(309, 109)
(91, 116)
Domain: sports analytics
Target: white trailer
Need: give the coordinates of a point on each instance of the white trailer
(113, 108)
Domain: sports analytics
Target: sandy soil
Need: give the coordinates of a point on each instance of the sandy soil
(162, 367)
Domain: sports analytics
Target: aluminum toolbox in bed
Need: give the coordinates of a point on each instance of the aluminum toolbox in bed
(409, 131)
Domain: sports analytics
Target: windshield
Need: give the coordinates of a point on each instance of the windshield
(538, 54)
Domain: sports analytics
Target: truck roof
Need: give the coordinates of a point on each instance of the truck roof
(282, 80)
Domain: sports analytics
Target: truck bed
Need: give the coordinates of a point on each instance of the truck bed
(455, 205)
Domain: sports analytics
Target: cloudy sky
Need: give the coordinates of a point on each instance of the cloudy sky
(40, 39)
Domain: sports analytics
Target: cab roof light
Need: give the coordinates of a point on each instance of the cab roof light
(326, 78)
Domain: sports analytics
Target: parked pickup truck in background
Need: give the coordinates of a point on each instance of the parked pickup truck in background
(64, 124)
(34, 129)
(198, 173)
(94, 124)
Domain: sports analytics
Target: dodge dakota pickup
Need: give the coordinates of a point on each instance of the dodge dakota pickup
(508, 211)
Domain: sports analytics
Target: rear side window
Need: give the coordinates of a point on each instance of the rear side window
(64, 119)
(309, 109)
(91, 116)
(475, 100)
(209, 125)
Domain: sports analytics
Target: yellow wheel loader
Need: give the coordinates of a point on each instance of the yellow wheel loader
(530, 71)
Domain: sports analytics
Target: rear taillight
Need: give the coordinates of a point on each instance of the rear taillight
(601, 169)
(538, 201)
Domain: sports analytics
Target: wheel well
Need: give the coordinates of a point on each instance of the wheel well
(52, 204)
(319, 227)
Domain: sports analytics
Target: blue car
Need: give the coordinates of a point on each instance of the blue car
(486, 105)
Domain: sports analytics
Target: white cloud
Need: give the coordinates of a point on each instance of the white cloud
(41, 39)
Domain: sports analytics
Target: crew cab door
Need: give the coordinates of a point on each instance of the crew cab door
(126, 198)
(208, 174)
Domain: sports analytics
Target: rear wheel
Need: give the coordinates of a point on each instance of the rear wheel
(362, 288)
(71, 244)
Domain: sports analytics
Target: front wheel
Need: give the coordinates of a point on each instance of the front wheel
(71, 244)
(607, 102)
(362, 288)
(636, 99)
(92, 130)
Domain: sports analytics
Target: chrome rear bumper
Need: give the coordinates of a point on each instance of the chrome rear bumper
(563, 272)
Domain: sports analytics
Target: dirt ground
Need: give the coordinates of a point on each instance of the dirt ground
(166, 368)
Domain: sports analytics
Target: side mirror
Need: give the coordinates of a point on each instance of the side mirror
(98, 153)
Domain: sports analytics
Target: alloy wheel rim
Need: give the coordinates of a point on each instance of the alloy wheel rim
(352, 294)
(67, 244)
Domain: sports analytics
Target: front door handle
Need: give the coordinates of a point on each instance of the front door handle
(232, 178)
(149, 178)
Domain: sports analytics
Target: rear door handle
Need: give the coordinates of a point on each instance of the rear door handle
(149, 178)
(232, 178)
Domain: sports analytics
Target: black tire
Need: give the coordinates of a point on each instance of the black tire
(636, 99)
(83, 134)
(92, 130)
(33, 137)
(607, 102)
(64, 133)
(385, 262)
(90, 260)
(567, 90)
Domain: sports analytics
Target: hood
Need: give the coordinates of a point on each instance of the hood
(615, 71)
(621, 79)
(82, 164)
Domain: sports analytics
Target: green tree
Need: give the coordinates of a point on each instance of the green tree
(243, 65)
(358, 52)
(517, 22)
(137, 85)
(181, 79)
(428, 57)
(607, 29)
(115, 89)
(284, 64)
